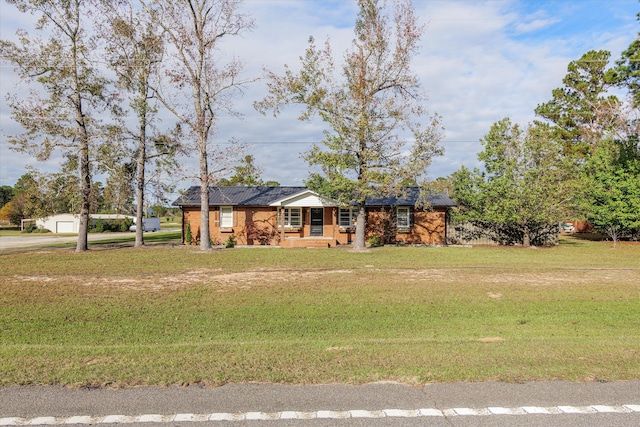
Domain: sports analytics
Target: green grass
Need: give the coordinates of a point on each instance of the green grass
(175, 315)
(170, 221)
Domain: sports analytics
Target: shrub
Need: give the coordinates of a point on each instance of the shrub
(121, 225)
(374, 240)
(99, 227)
(188, 237)
(230, 242)
(30, 227)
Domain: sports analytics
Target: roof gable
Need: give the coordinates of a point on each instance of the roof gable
(306, 198)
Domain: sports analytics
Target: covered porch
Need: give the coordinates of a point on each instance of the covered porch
(307, 220)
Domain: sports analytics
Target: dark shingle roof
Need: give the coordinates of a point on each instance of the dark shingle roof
(410, 198)
(264, 196)
(238, 196)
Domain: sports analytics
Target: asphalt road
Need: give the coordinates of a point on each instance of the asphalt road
(261, 405)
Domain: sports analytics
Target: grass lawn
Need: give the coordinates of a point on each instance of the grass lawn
(175, 315)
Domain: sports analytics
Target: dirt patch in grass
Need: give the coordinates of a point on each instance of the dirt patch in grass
(264, 278)
(490, 339)
(154, 282)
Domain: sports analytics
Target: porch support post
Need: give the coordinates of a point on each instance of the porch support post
(281, 217)
(335, 223)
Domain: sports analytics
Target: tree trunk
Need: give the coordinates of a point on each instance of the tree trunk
(83, 154)
(85, 177)
(142, 157)
(205, 235)
(526, 238)
(361, 227)
(613, 232)
(85, 167)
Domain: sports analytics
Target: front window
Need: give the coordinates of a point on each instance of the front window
(226, 216)
(346, 217)
(403, 217)
(292, 217)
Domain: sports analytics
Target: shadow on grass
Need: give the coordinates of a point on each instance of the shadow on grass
(161, 237)
(577, 239)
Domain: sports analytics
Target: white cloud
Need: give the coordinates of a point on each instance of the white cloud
(534, 25)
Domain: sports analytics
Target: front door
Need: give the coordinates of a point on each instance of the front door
(317, 221)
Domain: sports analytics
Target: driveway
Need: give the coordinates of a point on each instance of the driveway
(34, 240)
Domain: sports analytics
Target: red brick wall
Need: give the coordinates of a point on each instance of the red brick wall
(254, 225)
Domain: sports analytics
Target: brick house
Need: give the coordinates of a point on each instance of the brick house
(298, 217)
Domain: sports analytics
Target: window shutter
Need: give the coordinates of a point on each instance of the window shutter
(411, 217)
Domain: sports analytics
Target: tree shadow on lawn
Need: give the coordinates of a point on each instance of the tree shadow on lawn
(575, 239)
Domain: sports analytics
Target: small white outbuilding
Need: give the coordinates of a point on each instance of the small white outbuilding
(61, 223)
(70, 223)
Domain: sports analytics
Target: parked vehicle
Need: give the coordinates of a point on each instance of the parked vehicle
(148, 224)
(567, 227)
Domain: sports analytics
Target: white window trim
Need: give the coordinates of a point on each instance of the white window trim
(226, 216)
(405, 217)
(288, 217)
(352, 216)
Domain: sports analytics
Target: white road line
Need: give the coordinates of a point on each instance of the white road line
(325, 414)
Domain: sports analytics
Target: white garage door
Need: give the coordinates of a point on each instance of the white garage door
(64, 226)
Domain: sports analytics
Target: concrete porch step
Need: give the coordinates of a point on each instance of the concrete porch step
(308, 242)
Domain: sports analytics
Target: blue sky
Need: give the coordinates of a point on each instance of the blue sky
(480, 61)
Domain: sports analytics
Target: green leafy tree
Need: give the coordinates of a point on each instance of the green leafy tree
(581, 110)
(467, 192)
(27, 201)
(23, 183)
(44, 194)
(118, 193)
(611, 199)
(627, 70)
(373, 107)
(160, 210)
(58, 191)
(525, 187)
(6, 194)
(246, 174)
(60, 115)
(611, 196)
(28, 196)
